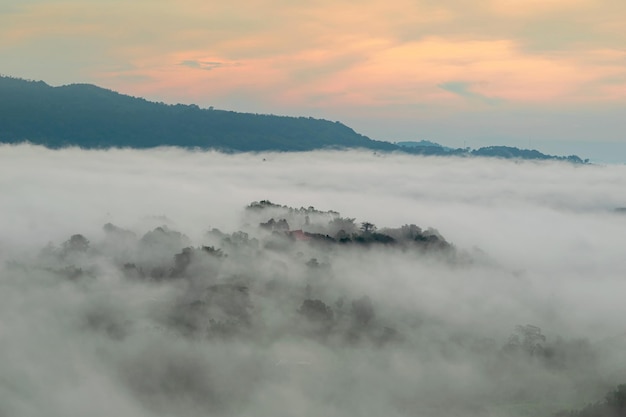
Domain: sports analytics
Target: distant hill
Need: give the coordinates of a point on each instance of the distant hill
(88, 116)
(425, 147)
(418, 144)
(92, 117)
(516, 153)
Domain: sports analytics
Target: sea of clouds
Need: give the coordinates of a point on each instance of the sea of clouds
(536, 243)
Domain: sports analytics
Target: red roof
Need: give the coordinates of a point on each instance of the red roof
(299, 235)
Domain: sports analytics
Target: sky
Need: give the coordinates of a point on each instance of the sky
(546, 74)
(81, 336)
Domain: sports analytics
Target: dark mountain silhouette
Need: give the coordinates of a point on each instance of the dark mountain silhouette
(516, 153)
(425, 147)
(91, 117)
(88, 116)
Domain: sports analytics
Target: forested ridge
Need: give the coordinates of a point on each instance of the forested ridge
(88, 116)
(92, 117)
(279, 281)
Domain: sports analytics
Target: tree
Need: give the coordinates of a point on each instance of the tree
(367, 227)
(616, 400)
(528, 337)
(316, 310)
(614, 405)
(363, 310)
(342, 223)
(76, 243)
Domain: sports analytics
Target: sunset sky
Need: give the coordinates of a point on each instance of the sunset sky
(549, 74)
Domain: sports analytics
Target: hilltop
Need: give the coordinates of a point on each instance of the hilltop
(92, 117)
(89, 116)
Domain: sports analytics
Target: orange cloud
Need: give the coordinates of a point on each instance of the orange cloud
(524, 8)
(410, 73)
(378, 72)
(334, 53)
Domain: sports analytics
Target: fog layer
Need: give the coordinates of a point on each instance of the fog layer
(137, 283)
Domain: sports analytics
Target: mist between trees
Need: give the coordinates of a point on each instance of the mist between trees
(307, 310)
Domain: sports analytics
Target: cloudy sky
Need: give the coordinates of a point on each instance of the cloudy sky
(550, 74)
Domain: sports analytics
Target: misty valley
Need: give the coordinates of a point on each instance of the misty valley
(174, 283)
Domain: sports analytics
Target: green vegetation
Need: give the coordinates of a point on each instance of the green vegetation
(92, 117)
(284, 282)
(505, 152)
(614, 405)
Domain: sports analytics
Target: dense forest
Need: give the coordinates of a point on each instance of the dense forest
(507, 152)
(92, 117)
(219, 327)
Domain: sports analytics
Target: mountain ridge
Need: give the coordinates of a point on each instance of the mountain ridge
(93, 117)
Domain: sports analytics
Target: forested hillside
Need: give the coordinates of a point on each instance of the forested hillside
(298, 296)
(88, 116)
(92, 117)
